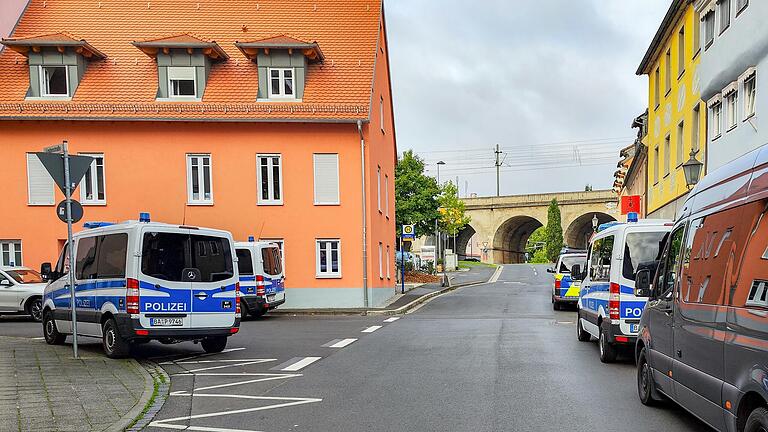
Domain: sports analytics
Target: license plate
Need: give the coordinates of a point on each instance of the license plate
(167, 322)
(271, 298)
(633, 328)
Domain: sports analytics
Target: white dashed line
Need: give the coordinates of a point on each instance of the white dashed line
(393, 319)
(341, 343)
(300, 364)
(371, 329)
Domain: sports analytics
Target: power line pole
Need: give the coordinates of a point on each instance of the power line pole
(498, 165)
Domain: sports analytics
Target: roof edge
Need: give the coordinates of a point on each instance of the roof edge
(669, 19)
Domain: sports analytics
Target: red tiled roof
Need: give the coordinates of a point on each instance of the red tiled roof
(23, 44)
(124, 85)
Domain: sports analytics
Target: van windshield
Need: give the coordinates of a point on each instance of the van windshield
(567, 261)
(273, 265)
(640, 248)
(166, 256)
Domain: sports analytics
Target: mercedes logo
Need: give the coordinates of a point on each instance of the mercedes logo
(191, 275)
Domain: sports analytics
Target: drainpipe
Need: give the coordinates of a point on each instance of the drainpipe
(365, 214)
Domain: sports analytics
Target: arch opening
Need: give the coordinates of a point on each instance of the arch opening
(511, 237)
(580, 230)
(464, 246)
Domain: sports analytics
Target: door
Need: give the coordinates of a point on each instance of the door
(213, 291)
(9, 294)
(273, 274)
(711, 258)
(660, 311)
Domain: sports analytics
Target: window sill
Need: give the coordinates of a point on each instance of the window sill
(730, 128)
(723, 30)
(716, 136)
(199, 203)
(680, 75)
(276, 99)
(42, 205)
(328, 276)
(747, 118)
(669, 91)
(93, 203)
(328, 204)
(665, 176)
(269, 203)
(49, 98)
(696, 54)
(708, 44)
(743, 8)
(678, 166)
(656, 107)
(179, 99)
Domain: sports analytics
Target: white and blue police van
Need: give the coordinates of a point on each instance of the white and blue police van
(608, 309)
(262, 282)
(138, 281)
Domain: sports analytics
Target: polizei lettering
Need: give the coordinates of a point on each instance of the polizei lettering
(165, 307)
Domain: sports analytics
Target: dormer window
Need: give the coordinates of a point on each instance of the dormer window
(282, 66)
(281, 83)
(56, 61)
(183, 65)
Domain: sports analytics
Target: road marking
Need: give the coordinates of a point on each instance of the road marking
(199, 428)
(265, 377)
(393, 319)
(194, 356)
(38, 338)
(339, 343)
(296, 363)
(496, 274)
(371, 329)
(231, 365)
(221, 361)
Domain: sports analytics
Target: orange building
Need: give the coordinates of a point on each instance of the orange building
(270, 119)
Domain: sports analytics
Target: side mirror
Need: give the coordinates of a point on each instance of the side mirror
(643, 283)
(576, 272)
(550, 270)
(46, 270)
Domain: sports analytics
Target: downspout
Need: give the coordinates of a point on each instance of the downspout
(365, 214)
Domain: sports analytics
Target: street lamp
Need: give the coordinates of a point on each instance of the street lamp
(692, 170)
(595, 221)
(437, 233)
(438, 171)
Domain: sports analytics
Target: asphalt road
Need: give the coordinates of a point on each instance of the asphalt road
(491, 357)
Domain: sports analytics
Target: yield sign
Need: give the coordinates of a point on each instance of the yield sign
(54, 163)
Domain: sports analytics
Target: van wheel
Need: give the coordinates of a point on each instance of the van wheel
(607, 350)
(35, 308)
(214, 344)
(114, 344)
(757, 421)
(50, 332)
(581, 334)
(646, 388)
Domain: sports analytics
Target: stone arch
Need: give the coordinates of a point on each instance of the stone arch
(510, 239)
(578, 232)
(463, 239)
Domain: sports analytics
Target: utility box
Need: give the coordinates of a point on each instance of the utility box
(451, 260)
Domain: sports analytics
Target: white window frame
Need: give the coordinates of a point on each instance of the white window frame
(338, 180)
(724, 5)
(13, 246)
(386, 195)
(389, 267)
(50, 186)
(378, 187)
(381, 261)
(270, 178)
(281, 78)
(656, 164)
(749, 96)
(200, 178)
(329, 274)
(171, 78)
(709, 39)
(743, 6)
(717, 119)
(680, 145)
(731, 106)
(381, 112)
(695, 127)
(43, 83)
(667, 155)
(94, 181)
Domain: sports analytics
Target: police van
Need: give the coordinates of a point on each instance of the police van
(262, 283)
(139, 281)
(566, 289)
(608, 308)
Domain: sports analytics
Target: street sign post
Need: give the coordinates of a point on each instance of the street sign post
(408, 234)
(67, 171)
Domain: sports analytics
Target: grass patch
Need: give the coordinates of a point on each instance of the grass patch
(469, 264)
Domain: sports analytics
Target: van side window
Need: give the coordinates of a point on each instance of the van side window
(62, 265)
(600, 263)
(714, 250)
(640, 247)
(244, 262)
(113, 252)
(752, 286)
(272, 262)
(85, 261)
(671, 266)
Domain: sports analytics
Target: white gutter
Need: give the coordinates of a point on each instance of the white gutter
(365, 214)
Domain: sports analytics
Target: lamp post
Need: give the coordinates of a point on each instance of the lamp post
(437, 233)
(595, 221)
(692, 170)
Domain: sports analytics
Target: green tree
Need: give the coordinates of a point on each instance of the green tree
(536, 246)
(415, 195)
(588, 188)
(554, 234)
(452, 212)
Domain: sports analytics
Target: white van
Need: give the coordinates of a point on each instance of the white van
(608, 308)
(262, 283)
(138, 281)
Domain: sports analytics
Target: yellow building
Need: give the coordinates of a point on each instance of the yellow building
(676, 114)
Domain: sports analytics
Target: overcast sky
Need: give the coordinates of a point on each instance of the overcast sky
(551, 81)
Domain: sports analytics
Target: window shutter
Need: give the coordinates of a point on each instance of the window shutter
(326, 178)
(181, 73)
(39, 182)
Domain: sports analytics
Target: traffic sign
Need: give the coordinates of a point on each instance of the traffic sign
(54, 164)
(630, 203)
(77, 211)
(58, 148)
(409, 232)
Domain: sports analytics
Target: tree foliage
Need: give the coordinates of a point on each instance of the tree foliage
(452, 212)
(536, 246)
(554, 231)
(415, 195)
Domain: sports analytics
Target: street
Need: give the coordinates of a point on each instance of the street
(485, 358)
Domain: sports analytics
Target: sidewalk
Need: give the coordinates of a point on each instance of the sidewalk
(401, 303)
(42, 388)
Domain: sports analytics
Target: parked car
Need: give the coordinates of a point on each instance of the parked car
(565, 290)
(21, 292)
(262, 283)
(139, 281)
(608, 309)
(704, 334)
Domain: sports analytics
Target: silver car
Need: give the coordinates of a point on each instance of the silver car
(21, 292)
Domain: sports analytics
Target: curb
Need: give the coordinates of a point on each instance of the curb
(157, 385)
